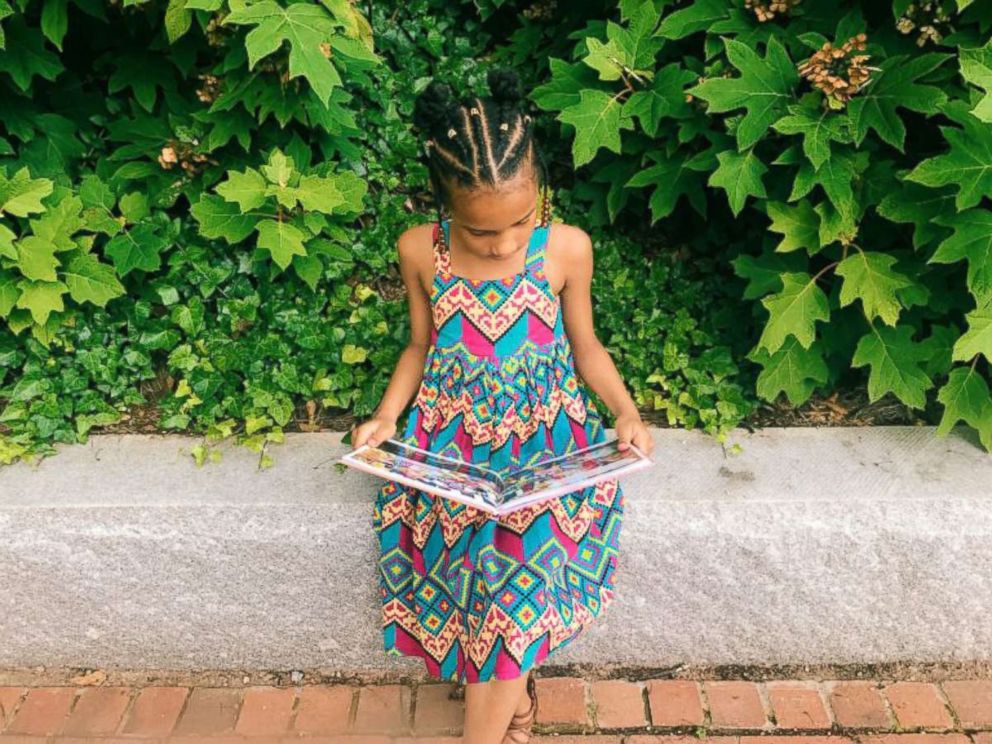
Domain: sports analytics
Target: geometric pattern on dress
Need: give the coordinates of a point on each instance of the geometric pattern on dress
(480, 598)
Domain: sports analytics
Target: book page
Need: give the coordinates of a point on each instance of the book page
(426, 471)
(573, 471)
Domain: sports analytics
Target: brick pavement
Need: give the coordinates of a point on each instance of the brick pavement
(572, 711)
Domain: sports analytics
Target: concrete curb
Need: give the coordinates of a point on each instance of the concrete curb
(818, 545)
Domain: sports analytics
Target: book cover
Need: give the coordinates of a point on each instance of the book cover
(487, 490)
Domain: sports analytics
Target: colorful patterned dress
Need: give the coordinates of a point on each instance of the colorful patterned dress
(480, 598)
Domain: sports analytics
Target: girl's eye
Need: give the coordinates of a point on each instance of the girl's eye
(480, 234)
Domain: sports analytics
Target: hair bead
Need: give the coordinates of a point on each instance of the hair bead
(452, 132)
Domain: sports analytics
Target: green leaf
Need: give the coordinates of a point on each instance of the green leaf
(282, 239)
(22, 195)
(978, 338)
(976, 68)
(672, 177)
(971, 241)
(139, 248)
(36, 258)
(41, 298)
(55, 21)
(598, 119)
(739, 174)
(247, 189)
(663, 97)
(966, 398)
(565, 86)
(835, 177)
(764, 88)
(134, 206)
(144, 75)
(792, 369)
(25, 55)
(895, 86)
(319, 194)
(177, 20)
(817, 126)
(799, 224)
(351, 354)
(968, 163)
(919, 206)
(305, 26)
(894, 363)
(88, 280)
(793, 311)
(697, 17)
(59, 222)
(222, 219)
(868, 276)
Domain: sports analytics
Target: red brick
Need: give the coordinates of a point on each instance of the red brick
(324, 710)
(18, 739)
(435, 712)
(98, 711)
(675, 702)
(561, 700)
(858, 704)
(155, 711)
(982, 737)
(383, 709)
(567, 739)
(43, 711)
(797, 704)
(618, 703)
(971, 700)
(423, 740)
(266, 710)
(803, 739)
(914, 739)
(918, 704)
(734, 704)
(210, 710)
(9, 698)
(677, 739)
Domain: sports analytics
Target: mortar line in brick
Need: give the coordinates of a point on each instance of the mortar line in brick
(647, 704)
(766, 705)
(894, 725)
(182, 709)
(9, 715)
(410, 718)
(824, 696)
(947, 704)
(294, 711)
(704, 703)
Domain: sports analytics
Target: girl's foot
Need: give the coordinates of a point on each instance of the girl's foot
(519, 730)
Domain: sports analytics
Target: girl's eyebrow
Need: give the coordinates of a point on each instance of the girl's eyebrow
(479, 229)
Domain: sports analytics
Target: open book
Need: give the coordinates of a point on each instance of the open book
(487, 490)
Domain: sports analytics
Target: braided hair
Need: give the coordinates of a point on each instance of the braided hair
(478, 141)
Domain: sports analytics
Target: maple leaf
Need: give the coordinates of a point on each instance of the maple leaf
(792, 369)
(978, 338)
(893, 360)
(739, 174)
(673, 176)
(817, 126)
(868, 276)
(598, 118)
(976, 68)
(966, 398)
(793, 311)
(764, 88)
(971, 241)
(799, 224)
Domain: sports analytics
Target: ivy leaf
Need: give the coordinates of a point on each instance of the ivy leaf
(968, 163)
(41, 298)
(976, 68)
(665, 96)
(894, 365)
(799, 224)
(25, 56)
(978, 338)
(868, 276)
(893, 87)
(89, 280)
(282, 239)
(247, 189)
(739, 174)
(793, 311)
(305, 26)
(966, 398)
(598, 118)
(764, 88)
(222, 219)
(792, 369)
(971, 241)
(673, 176)
(696, 17)
(817, 126)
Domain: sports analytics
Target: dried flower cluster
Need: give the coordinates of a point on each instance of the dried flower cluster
(838, 71)
(209, 90)
(216, 33)
(541, 10)
(931, 19)
(765, 10)
(182, 153)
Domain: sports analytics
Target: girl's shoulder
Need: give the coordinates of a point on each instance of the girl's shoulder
(415, 248)
(568, 250)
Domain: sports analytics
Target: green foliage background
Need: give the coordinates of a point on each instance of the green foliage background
(199, 201)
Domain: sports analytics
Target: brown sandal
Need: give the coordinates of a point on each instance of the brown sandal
(519, 730)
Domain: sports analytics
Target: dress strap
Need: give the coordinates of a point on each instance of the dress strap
(442, 259)
(536, 247)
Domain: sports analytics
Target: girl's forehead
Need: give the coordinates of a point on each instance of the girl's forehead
(494, 210)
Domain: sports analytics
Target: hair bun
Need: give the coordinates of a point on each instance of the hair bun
(505, 86)
(432, 108)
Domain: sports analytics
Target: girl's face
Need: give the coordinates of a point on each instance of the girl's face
(495, 225)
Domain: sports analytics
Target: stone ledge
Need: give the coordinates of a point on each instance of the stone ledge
(817, 545)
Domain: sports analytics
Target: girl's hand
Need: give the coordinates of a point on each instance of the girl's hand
(630, 429)
(373, 432)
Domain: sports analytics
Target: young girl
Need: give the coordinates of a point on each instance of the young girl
(499, 309)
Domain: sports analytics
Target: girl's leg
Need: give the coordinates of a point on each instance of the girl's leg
(489, 706)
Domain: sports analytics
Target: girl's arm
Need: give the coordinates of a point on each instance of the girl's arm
(409, 370)
(592, 360)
